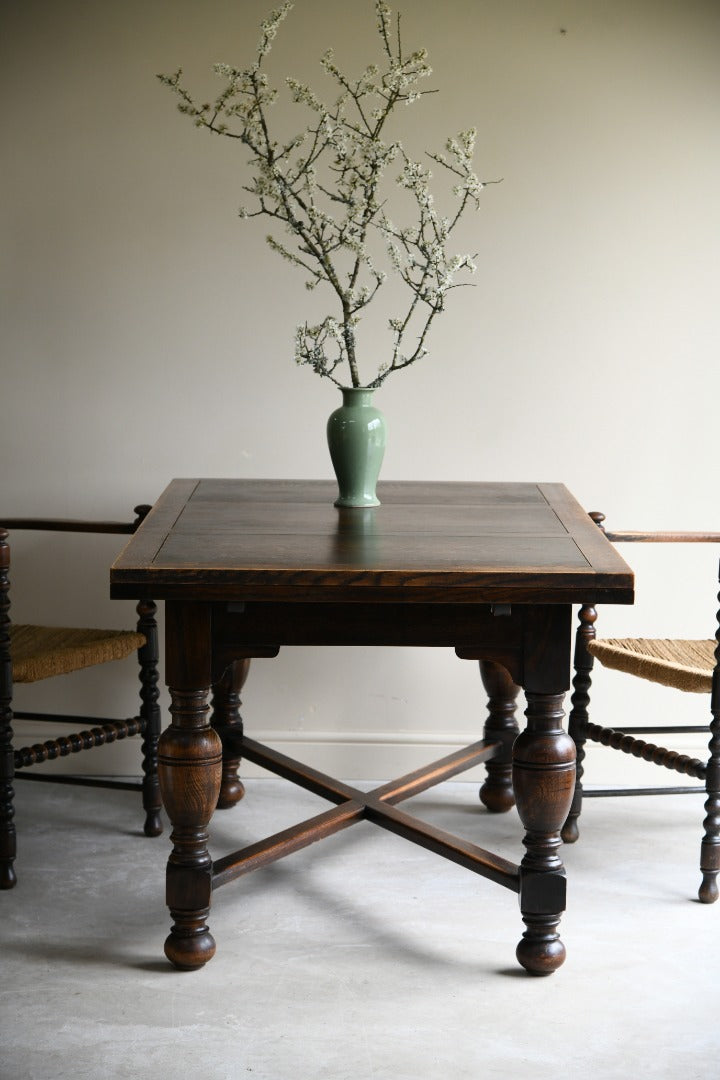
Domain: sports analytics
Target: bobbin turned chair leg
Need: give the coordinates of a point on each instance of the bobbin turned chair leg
(8, 843)
(7, 757)
(149, 656)
(579, 716)
(710, 848)
(8, 878)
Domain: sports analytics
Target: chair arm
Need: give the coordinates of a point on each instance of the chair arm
(656, 537)
(664, 537)
(78, 526)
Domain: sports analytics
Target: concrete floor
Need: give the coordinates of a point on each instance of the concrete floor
(361, 958)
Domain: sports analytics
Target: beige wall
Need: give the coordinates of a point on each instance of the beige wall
(147, 333)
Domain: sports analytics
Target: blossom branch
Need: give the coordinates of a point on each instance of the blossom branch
(338, 163)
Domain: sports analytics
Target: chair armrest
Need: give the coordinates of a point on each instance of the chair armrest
(664, 537)
(656, 537)
(78, 526)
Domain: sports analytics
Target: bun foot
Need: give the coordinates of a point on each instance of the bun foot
(540, 950)
(153, 824)
(570, 832)
(496, 798)
(708, 891)
(8, 878)
(190, 948)
(231, 792)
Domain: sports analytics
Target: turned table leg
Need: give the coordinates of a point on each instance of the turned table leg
(543, 780)
(190, 772)
(226, 720)
(190, 769)
(501, 726)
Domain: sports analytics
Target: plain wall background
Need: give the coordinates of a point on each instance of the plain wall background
(147, 332)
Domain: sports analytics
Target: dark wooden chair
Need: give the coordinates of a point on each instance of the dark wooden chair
(31, 653)
(692, 666)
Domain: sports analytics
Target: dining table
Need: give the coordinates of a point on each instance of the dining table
(492, 570)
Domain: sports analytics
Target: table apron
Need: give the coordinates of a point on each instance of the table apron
(531, 641)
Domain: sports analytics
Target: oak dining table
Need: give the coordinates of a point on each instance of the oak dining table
(246, 567)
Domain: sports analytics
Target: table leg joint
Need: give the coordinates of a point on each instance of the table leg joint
(542, 893)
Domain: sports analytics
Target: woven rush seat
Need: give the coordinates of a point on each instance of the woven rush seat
(685, 665)
(40, 652)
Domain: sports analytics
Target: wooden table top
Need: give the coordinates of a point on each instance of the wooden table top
(432, 542)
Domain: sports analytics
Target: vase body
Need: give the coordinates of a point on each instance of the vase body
(356, 439)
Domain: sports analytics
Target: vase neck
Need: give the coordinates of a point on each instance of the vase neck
(357, 395)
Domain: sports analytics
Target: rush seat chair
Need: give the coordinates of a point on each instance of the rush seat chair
(688, 665)
(29, 653)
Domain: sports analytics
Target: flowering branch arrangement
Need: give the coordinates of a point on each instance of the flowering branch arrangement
(325, 187)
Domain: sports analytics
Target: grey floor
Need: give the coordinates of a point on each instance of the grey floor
(360, 958)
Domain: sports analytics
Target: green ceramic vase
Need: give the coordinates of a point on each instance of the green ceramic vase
(356, 438)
